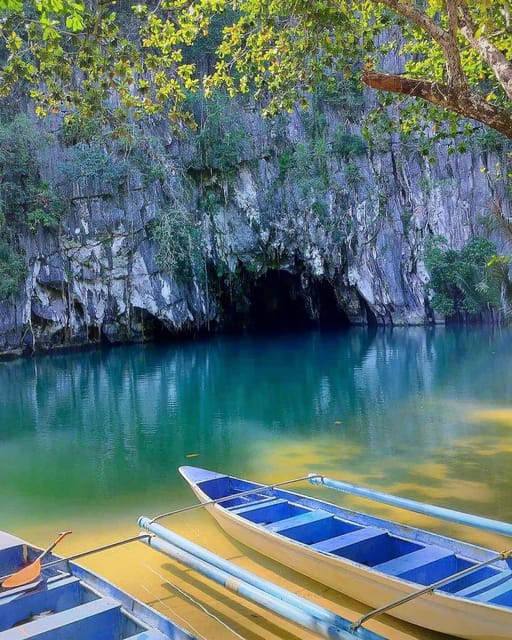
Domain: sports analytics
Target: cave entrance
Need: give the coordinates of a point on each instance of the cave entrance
(277, 301)
(371, 318)
(147, 327)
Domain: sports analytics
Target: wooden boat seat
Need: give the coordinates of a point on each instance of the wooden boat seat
(473, 590)
(348, 539)
(100, 614)
(310, 517)
(496, 593)
(56, 595)
(236, 498)
(258, 504)
(421, 558)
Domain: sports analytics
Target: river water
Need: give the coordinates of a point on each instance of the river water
(89, 441)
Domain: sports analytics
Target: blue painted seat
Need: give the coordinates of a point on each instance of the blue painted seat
(99, 619)
(149, 634)
(483, 585)
(498, 594)
(348, 539)
(269, 511)
(309, 517)
(56, 595)
(417, 559)
(247, 503)
(237, 499)
(253, 506)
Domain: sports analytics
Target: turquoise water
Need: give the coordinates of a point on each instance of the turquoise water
(99, 435)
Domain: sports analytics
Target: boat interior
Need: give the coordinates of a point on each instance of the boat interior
(59, 604)
(299, 520)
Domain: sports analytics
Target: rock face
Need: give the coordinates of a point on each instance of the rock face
(295, 224)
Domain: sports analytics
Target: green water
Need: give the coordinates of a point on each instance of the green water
(99, 435)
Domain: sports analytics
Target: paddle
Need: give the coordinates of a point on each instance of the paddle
(118, 543)
(33, 570)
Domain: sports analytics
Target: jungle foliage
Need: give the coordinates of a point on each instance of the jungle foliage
(470, 280)
(456, 55)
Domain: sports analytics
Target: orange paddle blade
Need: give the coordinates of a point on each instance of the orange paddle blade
(33, 570)
(26, 575)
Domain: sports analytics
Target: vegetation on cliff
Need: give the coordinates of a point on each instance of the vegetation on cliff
(455, 55)
(469, 281)
(232, 193)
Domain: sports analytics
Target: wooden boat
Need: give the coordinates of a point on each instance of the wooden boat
(372, 560)
(69, 602)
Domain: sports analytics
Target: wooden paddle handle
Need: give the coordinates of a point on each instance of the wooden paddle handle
(61, 535)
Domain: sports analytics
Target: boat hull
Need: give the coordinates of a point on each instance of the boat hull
(68, 601)
(437, 611)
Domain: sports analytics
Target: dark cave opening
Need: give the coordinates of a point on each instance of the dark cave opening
(331, 315)
(277, 301)
(147, 327)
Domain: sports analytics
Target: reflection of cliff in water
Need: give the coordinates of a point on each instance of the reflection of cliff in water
(104, 423)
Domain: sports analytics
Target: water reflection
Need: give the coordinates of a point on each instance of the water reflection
(417, 411)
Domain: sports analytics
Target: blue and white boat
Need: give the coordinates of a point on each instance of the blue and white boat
(67, 601)
(431, 580)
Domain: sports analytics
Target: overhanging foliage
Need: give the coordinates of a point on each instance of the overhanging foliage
(456, 55)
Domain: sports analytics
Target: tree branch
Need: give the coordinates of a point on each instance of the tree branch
(417, 17)
(501, 67)
(456, 77)
(447, 40)
(468, 106)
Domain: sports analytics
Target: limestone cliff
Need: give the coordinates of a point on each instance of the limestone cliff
(296, 219)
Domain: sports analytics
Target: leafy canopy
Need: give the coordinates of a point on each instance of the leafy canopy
(455, 55)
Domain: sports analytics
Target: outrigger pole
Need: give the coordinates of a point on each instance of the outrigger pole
(478, 522)
(252, 587)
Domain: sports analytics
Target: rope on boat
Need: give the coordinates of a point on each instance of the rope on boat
(440, 583)
(240, 494)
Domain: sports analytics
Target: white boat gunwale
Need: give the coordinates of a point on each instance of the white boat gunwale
(353, 570)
